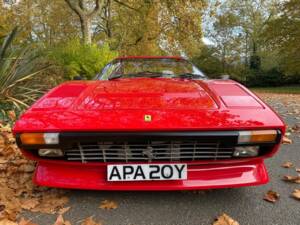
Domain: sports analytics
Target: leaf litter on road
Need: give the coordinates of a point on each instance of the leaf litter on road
(61, 221)
(293, 179)
(64, 210)
(107, 204)
(287, 164)
(224, 219)
(90, 221)
(296, 194)
(286, 140)
(24, 221)
(17, 192)
(271, 196)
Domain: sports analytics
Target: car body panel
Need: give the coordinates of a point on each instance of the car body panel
(172, 104)
(209, 176)
(109, 106)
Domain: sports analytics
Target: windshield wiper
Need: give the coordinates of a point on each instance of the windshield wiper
(189, 75)
(149, 74)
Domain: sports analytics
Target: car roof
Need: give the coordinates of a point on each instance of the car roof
(149, 57)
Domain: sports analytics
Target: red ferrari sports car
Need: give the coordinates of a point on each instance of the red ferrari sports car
(149, 123)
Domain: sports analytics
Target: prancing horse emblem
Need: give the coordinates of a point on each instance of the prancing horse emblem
(147, 118)
(148, 152)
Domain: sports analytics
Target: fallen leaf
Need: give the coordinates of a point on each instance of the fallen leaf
(293, 179)
(296, 194)
(7, 222)
(225, 220)
(3, 161)
(271, 196)
(297, 170)
(26, 168)
(17, 192)
(64, 210)
(60, 221)
(26, 222)
(90, 221)
(287, 164)
(29, 203)
(286, 140)
(296, 128)
(2, 142)
(106, 204)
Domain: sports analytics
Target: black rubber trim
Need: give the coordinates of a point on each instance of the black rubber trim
(67, 139)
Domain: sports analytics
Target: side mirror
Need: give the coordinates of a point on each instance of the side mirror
(77, 77)
(225, 77)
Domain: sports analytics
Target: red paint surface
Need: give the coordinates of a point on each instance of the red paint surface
(91, 176)
(174, 104)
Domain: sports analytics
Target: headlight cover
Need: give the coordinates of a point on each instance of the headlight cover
(246, 151)
(257, 136)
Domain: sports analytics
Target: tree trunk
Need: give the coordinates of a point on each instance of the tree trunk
(85, 23)
(85, 16)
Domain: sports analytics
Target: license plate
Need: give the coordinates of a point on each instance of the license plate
(141, 172)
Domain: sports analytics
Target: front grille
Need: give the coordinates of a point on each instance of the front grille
(147, 151)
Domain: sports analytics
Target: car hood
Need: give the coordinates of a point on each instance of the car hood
(123, 104)
(146, 93)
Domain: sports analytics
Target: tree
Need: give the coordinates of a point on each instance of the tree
(283, 37)
(81, 8)
(238, 28)
(152, 27)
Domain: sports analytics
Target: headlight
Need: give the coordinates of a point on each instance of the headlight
(50, 152)
(39, 138)
(246, 151)
(257, 136)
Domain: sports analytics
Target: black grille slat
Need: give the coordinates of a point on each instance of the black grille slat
(147, 151)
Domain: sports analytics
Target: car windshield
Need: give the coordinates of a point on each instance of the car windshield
(150, 67)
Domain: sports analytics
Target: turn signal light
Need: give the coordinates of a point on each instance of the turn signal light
(39, 138)
(257, 136)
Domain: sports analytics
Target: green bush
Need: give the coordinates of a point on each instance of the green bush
(270, 78)
(84, 60)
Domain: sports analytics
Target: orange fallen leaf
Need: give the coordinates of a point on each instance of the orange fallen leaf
(286, 140)
(225, 220)
(106, 204)
(271, 196)
(3, 161)
(293, 179)
(7, 222)
(296, 128)
(2, 142)
(60, 221)
(287, 164)
(29, 203)
(90, 221)
(296, 194)
(64, 210)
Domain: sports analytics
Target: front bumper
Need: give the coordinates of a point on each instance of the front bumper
(93, 177)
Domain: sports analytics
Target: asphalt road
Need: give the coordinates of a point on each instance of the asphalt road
(246, 205)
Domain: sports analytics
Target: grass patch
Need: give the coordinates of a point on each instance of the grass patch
(279, 90)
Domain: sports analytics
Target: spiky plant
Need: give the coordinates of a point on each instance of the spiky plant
(18, 66)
